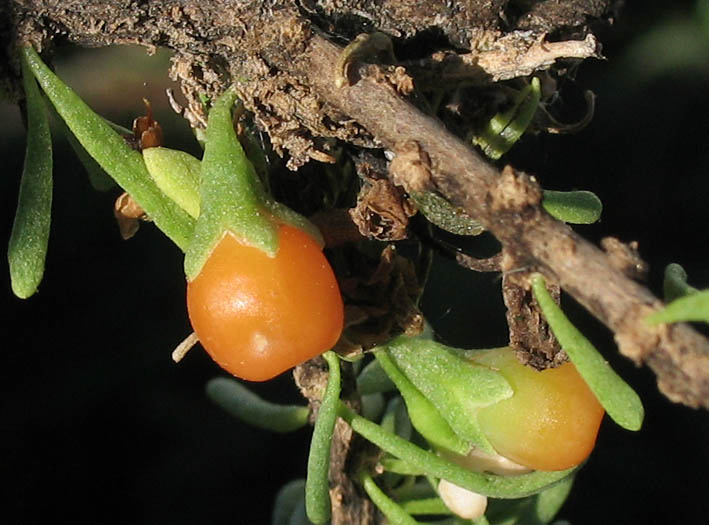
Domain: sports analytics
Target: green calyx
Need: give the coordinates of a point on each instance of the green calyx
(468, 387)
(230, 196)
(423, 414)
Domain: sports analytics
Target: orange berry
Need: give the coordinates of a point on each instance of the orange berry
(552, 420)
(257, 316)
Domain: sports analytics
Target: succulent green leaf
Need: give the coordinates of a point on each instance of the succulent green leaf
(243, 404)
(289, 497)
(373, 379)
(393, 511)
(549, 501)
(468, 386)
(506, 128)
(429, 506)
(98, 178)
(317, 490)
(177, 175)
(618, 399)
(423, 414)
(675, 283)
(113, 154)
(444, 215)
(490, 485)
(396, 419)
(539, 509)
(693, 307)
(574, 207)
(27, 249)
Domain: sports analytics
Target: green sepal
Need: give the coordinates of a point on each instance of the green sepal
(692, 307)
(468, 386)
(618, 399)
(114, 155)
(505, 128)
(243, 404)
(574, 207)
(27, 249)
(444, 215)
(675, 284)
(424, 416)
(232, 196)
(177, 175)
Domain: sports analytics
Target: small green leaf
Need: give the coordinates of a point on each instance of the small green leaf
(468, 386)
(490, 485)
(675, 283)
(27, 249)
(618, 399)
(574, 207)
(396, 418)
(373, 379)
(289, 497)
(429, 506)
(423, 414)
(177, 175)
(444, 215)
(693, 307)
(113, 154)
(317, 489)
(99, 179)
(243, 404)
(393, 512)
(506, 128)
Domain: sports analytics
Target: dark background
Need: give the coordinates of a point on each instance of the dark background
(99, 426)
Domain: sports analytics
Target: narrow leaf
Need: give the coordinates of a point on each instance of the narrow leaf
(113, 154)
(393, 512)
(243, 404)
(693, 307)
(27, 249)
(618, 399)
(431, 464)
(317, 489)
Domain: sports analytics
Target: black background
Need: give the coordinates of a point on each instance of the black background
(99, 426)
